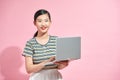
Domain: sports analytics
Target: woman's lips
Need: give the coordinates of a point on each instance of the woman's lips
(43, 28)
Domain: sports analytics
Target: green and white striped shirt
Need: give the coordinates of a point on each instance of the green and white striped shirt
(40, 52)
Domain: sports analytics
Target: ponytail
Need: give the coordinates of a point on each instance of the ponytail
(35, 34)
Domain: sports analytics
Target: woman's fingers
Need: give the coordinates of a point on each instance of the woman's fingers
(49, 60)
(52, 58)
(62, 63)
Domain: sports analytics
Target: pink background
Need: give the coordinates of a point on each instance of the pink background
(96, 21)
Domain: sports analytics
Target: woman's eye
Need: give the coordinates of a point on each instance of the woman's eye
(40, 21)
(46, 20)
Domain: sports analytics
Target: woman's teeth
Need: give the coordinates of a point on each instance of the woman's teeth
(43, 28)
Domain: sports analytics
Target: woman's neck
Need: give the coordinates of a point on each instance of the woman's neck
(44, 35)
(42, 38)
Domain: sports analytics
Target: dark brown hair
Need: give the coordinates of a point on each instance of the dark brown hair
(38, 13)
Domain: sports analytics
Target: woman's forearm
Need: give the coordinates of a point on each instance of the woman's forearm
(30, 67)
(34, 67)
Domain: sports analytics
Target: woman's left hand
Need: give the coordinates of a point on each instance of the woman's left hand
(62, 64)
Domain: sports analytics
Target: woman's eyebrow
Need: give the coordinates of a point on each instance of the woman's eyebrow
(39, 19)
(43, 19)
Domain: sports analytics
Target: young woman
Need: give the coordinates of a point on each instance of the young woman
(41, 49)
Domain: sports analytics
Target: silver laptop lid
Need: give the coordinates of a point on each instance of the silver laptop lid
(68, 48)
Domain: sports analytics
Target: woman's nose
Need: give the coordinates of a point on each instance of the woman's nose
(43, 23)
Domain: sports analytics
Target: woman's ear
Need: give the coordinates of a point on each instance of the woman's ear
(50, 22)
(34, 23)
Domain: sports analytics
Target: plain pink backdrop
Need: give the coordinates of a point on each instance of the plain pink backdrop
(96, 21)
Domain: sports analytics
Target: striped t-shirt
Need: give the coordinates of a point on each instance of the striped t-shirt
(40, 52)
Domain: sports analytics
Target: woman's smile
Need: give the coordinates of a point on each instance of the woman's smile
(43, 27)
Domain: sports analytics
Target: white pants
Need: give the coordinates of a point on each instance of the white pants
(50, 74)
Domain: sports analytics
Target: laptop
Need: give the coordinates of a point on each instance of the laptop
(68, 48)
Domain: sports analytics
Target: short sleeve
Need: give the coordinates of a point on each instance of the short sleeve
(28, 50)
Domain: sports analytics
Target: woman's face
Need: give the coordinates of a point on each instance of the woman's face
(42, 23)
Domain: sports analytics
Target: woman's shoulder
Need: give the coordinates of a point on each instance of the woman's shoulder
(31, 40)
(53, 37)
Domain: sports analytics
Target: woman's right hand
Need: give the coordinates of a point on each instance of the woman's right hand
(49, 60)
